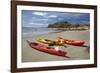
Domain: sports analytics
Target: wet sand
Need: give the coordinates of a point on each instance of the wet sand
(76, 53)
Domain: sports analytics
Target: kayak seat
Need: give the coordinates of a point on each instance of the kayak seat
(34, 43)
(47, 40)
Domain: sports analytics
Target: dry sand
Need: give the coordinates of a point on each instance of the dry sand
(76, 53)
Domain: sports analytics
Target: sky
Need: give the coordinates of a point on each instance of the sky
(31, 18)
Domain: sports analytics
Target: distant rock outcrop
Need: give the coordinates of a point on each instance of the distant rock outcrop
(67, 25)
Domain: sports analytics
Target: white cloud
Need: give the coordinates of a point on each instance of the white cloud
(52, 16)
(39, 19)
(39, 13)
(60, 18)
(32, 23)
(33, 17)
(73, 14)
(24, 16)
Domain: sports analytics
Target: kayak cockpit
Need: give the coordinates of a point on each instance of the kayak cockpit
(34, 43)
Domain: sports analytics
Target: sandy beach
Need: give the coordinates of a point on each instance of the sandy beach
(76, 53)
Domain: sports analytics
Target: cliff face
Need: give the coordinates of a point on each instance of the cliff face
(58, 25)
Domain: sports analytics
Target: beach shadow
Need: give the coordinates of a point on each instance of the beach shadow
(84, 46)
(87, 47)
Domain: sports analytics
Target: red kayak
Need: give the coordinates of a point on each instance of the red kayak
(72, 42)
(46, 49)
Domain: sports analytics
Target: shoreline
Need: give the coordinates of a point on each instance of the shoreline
(33, 34)
(76, 53)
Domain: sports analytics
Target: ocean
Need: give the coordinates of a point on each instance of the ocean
(28, 32)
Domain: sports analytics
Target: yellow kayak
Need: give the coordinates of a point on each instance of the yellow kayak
(46, 41)
(51, 42)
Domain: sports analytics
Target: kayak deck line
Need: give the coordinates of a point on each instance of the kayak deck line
(72, 42)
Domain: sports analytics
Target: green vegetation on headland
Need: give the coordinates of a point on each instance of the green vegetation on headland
(68, 26)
